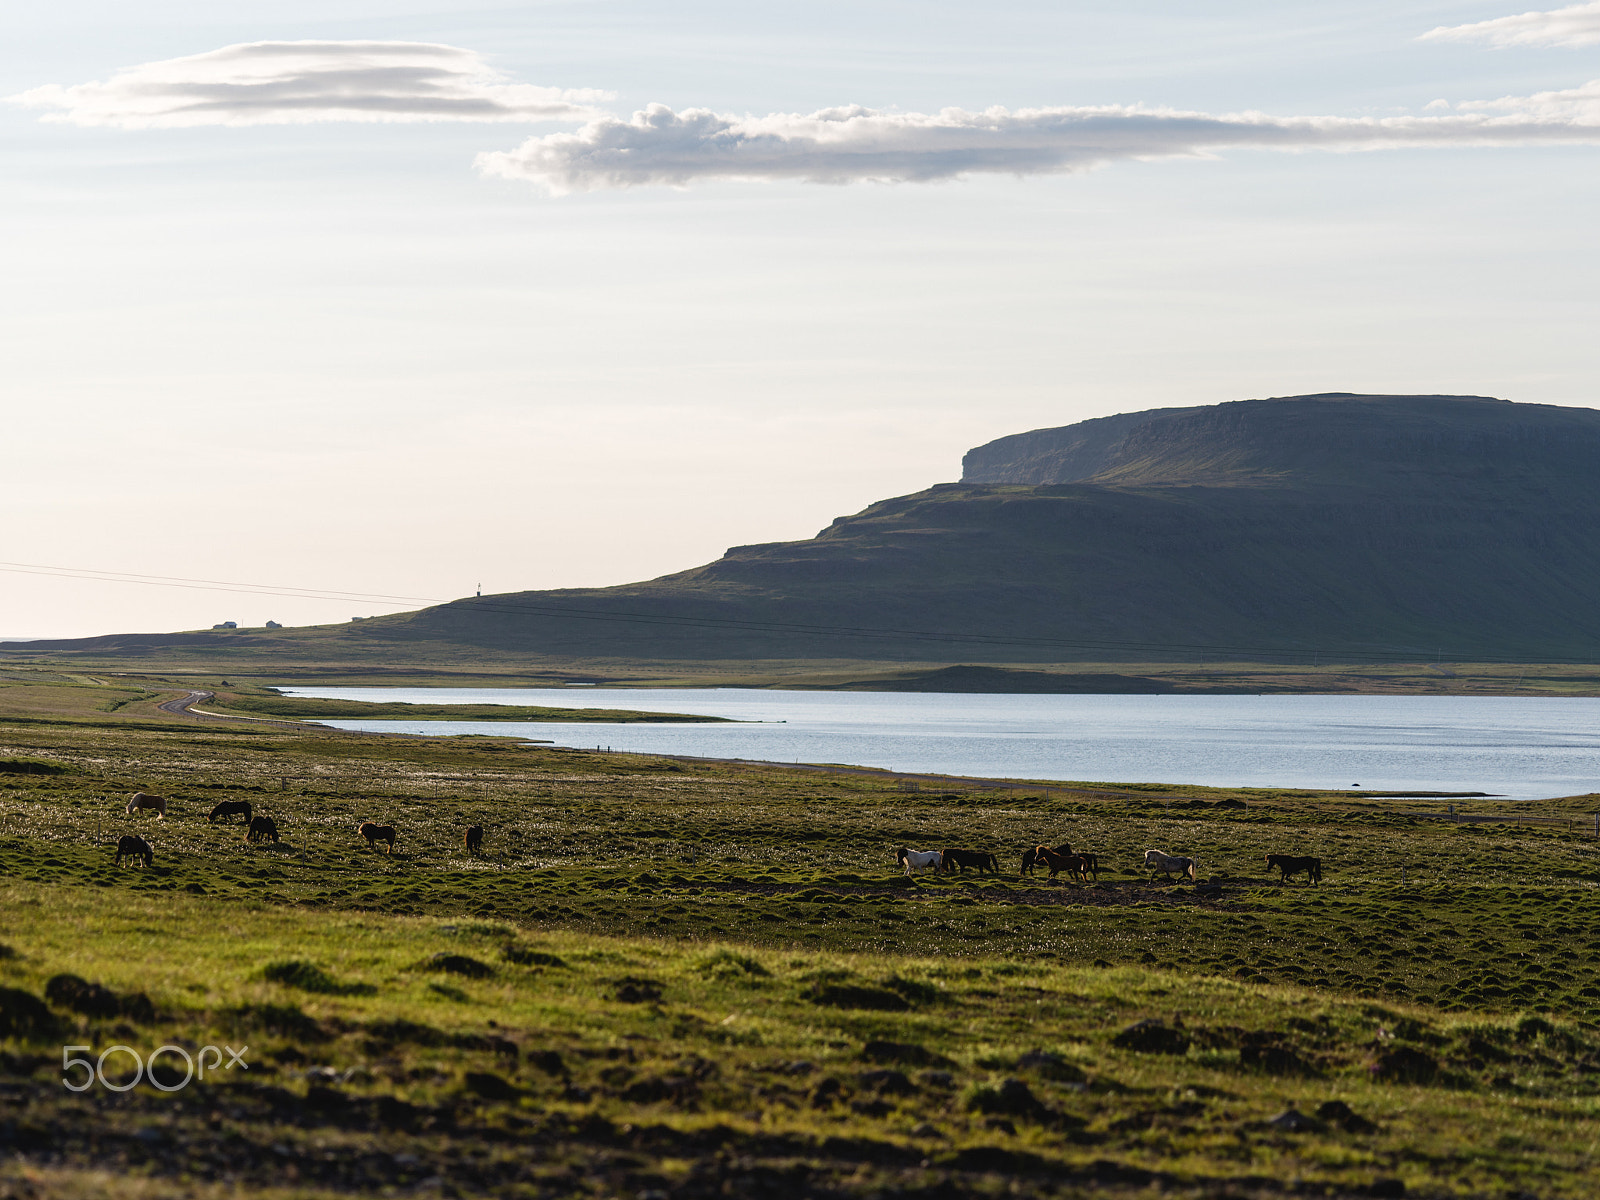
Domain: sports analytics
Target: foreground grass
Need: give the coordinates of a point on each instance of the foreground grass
(667, 975)
(491, 1059)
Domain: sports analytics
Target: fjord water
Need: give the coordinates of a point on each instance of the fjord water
(1520, 747)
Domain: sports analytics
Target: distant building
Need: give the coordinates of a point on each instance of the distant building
(273, 625)
(227, 625)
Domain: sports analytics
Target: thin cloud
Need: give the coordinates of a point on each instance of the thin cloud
(291, 83)
(1576, 25)
(847, 145)
(1577, 106)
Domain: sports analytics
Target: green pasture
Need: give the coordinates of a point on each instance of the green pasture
(693, 979)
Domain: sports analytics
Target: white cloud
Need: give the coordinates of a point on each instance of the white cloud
(1579, 105)
(285, 83)
(846, 145)
(1576, 25)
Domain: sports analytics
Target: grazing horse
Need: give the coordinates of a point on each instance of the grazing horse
(1072, 864)
(1157, 860)
(919, 860)
(141, 800)
(1030, 858)
(962, 859)
(474, 839)
(262, 829)
(134, 849)
(377, 833)
(1310, 867)
(230, 808)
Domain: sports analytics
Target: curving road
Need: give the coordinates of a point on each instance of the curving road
(183, 706)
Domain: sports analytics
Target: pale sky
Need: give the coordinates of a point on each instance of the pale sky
(394, 299)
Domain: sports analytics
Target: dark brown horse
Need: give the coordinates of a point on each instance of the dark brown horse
(962, 859)
(229, 808)
(377, 833)
(1031, 859)
(1072, 864)
(134, 849)
(262, 829)
(1289, 865)
(474, 839)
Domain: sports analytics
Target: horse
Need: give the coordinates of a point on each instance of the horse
(262, 829)
(1072, 864)
(140, 800)
(1158, 860)
(1310, 867)
(377, 833)
(919, 860)
(953, 859)
(474, 839)
(1030, 858)
(134, 849)
(229, 808)
(1091, 864)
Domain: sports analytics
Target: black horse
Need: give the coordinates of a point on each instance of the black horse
(1311, 868)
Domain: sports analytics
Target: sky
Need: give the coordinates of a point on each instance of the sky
(352, 306)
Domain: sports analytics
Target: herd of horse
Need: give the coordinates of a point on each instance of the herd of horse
(1083, 866)
(1079, 865)
(258, 828)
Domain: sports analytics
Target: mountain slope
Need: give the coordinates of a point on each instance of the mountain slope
(1343, 524)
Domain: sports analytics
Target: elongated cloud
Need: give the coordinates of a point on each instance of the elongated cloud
(1577, 25)
(284, 83)
(846, 145)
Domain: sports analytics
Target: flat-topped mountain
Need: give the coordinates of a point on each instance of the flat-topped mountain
(1331, 440)
(1340, 524)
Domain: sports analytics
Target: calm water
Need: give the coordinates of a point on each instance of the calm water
(1514, 746)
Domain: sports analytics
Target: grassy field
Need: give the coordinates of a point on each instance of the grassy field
(305, 708)
(286, 663)
(686, 979)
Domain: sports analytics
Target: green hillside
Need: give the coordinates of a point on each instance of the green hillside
(1335, 525)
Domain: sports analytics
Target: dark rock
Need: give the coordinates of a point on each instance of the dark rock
(1012, 1098)
(1274, 1060)
(522, 956)
(633, 990)
(81, 996)
(490, 1086)
(1337, 1112)
(1050, 1066)
(1152, 1036)
(1292, 1120)
(854, 995)
(1405, 1064)
(548, 1061)
(23, 1015)
(828, 1091)
(893, 1082)
(458, 964)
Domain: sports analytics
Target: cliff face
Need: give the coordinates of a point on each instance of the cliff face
(1348, 525)
(1332, 440)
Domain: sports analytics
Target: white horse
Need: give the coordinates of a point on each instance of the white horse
(141, 800)
(919, 860)
(1159, 860)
